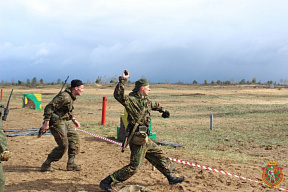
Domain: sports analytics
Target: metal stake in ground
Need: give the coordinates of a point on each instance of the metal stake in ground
(211, 122)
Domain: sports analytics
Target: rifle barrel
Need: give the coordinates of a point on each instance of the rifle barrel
(124, 144)
(9, 98)
(64, 84)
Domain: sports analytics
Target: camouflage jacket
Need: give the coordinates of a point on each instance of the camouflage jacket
(61, 105)
(3, 141)
(134, 104)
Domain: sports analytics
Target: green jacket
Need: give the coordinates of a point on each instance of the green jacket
(134, 104)
(3, 141)
(61, 105)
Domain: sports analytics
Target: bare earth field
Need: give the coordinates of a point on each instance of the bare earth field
(249, 129)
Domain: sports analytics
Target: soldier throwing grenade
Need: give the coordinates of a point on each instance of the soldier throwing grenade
(139, 106)
(57, 117)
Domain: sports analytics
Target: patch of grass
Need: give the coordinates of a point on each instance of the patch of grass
(237, 129)
(107, 130)
(249, 124)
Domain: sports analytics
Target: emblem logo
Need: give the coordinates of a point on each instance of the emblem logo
(272, 174)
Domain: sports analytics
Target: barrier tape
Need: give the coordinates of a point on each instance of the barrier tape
(223, 172)
(185, 162)
(100, 137)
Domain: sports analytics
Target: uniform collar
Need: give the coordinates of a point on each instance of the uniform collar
(134, 94)
(68, 90)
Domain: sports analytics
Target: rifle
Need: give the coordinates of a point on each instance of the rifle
(129, 135)
(6, 110)
(125, 141)
(41, 132)
(64, 83)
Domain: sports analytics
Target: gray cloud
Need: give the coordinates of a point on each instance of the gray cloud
(180, 41)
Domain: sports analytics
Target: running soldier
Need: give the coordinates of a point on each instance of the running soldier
(57, 116)
(138, 107)
(4, 150)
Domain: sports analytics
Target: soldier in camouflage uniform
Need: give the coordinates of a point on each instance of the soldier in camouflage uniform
(57, 116)
(134, 105)
(4, 150)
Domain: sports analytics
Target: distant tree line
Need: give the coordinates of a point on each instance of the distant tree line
(35, 82)
(242, 82)
(30, 83)
(232, 81)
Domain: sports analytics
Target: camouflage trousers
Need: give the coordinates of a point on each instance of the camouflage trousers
(2, 179)
(66, 137)
(152, 152)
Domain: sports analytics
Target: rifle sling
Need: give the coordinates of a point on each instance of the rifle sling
(135, 127)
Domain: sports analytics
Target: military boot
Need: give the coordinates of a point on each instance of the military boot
(46, 166)
(105, 184)
(173, 180)
(71, 166)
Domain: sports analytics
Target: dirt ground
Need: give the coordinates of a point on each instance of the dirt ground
(100, 158)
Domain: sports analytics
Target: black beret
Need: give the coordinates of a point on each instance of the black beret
(76, 83)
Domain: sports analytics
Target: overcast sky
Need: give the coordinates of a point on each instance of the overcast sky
(181, 40)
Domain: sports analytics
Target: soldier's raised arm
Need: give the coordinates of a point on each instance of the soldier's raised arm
(119, 94)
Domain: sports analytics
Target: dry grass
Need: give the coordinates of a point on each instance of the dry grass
(249, 122)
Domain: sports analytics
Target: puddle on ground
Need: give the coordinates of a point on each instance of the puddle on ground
(23, 132)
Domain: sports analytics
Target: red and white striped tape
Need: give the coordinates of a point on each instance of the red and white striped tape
(184, 162)
(100, 137)
(223, 172)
